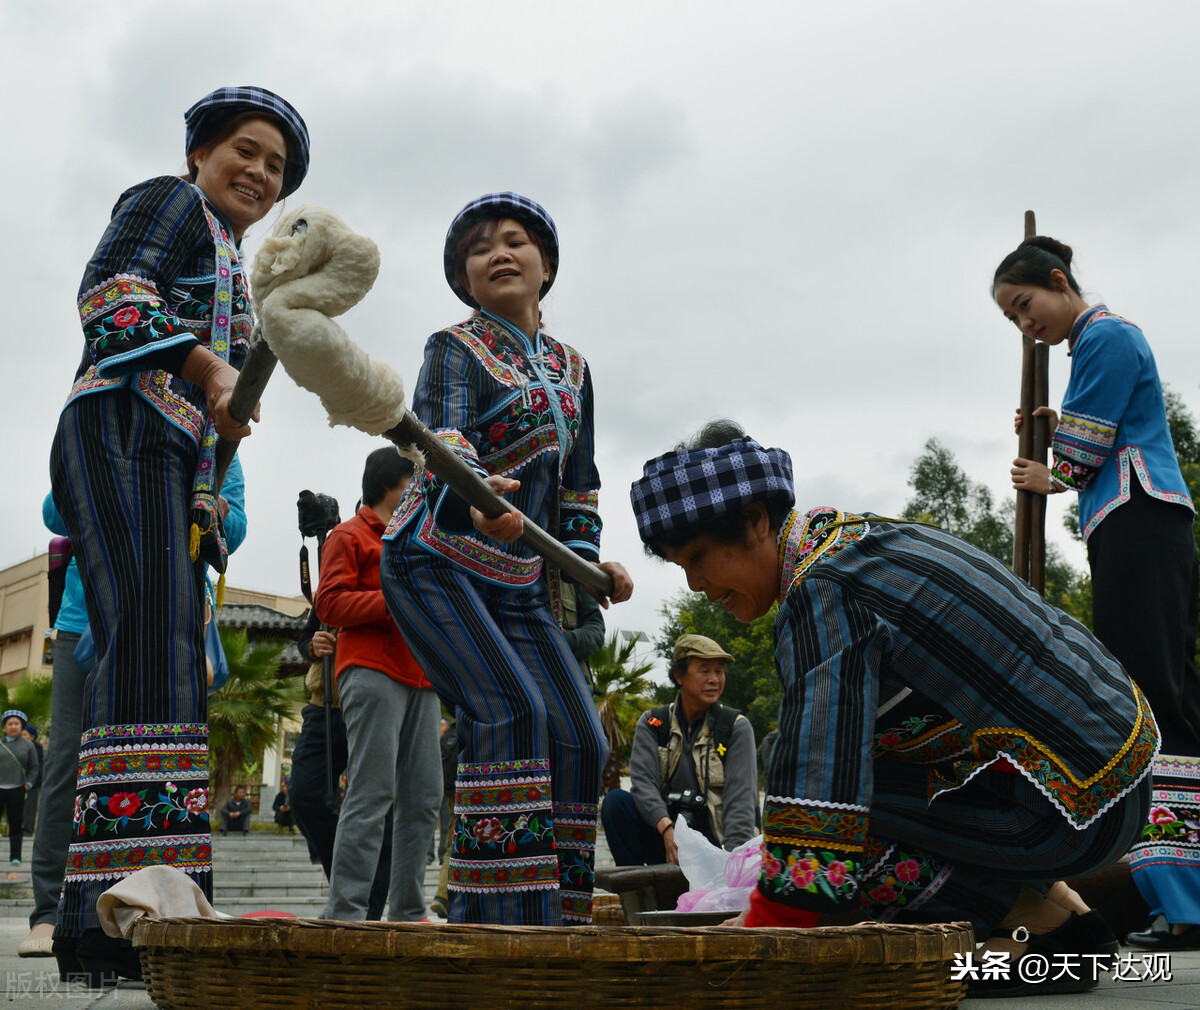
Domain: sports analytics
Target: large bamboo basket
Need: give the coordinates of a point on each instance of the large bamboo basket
(299, 963)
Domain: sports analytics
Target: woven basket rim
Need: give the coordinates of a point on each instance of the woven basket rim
(864, 943)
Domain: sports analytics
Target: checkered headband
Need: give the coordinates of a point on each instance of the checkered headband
(497, 205)
(18, 713)
(204, 119)
(682, 489)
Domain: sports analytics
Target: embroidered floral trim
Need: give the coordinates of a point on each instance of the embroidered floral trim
(809, 538)
(913, 741)
(898, 882)
(482, 560)
(1177, 766)
(575, 844)
(170, 730)
(153, 810)
(517, 766)
(535, 874)
(1081, 801)
(806, 825)
(789, 873)
(1130, 457)
(503, 828)
(183, 762)
(120, 857)
(516, 454)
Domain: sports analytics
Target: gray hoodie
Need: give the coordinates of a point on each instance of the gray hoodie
(18, 762)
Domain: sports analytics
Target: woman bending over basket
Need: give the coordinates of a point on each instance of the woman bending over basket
(475, 605)
(950, 744)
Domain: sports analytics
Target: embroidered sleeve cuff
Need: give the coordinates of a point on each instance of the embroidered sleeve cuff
(579, 522)
(126, 319)
(1084, 440)
(1067, 475)
(449, 511)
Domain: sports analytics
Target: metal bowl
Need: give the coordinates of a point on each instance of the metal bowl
(673, 918)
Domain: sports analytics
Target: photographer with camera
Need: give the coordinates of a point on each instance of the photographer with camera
(694, 757)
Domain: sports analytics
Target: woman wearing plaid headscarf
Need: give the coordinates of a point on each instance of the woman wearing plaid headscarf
(166, 323)
(475, 606)
(950, 744)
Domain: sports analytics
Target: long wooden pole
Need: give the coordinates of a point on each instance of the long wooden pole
(1029, 533)
(439, 459)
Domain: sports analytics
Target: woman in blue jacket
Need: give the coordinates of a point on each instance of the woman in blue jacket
(1112, 444)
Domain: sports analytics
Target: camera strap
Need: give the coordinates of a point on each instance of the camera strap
(305, 579)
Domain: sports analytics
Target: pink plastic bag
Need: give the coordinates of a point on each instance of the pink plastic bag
(721, 892)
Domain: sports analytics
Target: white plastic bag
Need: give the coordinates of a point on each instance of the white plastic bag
(720, 881)
(702, 862)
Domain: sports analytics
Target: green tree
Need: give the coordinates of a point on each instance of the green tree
(944, 495)
(621, 689)
(30, 693)
(244, 715)
(751, 682)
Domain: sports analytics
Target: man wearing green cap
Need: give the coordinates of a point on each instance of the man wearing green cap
(694, 757)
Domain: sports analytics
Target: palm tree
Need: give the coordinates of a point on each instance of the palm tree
(244, 715)
(620, 691)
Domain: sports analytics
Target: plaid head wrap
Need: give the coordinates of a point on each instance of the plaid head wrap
(205, 118)
(18, 713)
(496, 205)
(681, 489)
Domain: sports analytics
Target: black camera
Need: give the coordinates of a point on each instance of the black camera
(318, 513)
(693, 806)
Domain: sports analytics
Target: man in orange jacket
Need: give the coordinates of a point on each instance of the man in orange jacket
(390, 710)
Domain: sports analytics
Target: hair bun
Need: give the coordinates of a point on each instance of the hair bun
(1053, 246)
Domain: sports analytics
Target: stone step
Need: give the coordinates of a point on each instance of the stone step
(265, 892)
(246, 874)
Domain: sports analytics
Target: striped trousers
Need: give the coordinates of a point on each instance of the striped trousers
(122, 479)
(528, 785)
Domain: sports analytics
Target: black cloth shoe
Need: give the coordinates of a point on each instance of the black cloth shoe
(1165, 939)
(1074, 937)
(1106, 940)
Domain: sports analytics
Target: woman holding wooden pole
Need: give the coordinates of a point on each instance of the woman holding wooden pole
(475, 605)
(1112, 445)
(166, 321)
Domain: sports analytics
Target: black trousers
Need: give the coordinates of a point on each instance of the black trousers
(307, 788)
(13, 803)
(1145, 585)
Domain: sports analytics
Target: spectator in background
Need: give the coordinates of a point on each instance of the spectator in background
(694, 757)
(315, 808)
(283, 808)
(18, 769)
(389, 707)
(235, 814)
(582, 626)
(450, 750)
(30, 733)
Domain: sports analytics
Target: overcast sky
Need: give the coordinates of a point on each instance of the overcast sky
(787, 213)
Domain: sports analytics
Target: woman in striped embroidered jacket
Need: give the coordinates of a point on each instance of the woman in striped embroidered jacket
(1112, 445)
(166, 322)
(950, 745)
(475, 605)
